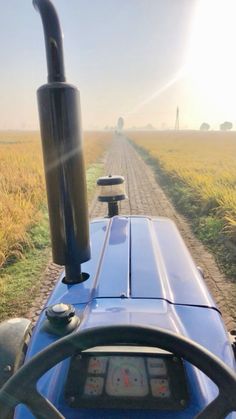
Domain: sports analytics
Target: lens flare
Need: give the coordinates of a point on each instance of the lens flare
(179, 75)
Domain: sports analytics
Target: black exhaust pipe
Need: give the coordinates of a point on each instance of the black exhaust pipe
(59, 114)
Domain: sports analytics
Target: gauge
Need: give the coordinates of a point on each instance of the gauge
(156, 366)
(160, 387)
(93, 386)
(126, 377)
(97, 365)
(119, 379)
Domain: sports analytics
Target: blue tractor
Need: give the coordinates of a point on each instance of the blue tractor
(130, 330)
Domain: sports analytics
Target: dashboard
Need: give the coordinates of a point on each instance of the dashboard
(126, 380)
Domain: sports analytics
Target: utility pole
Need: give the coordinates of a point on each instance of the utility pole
(177, 119)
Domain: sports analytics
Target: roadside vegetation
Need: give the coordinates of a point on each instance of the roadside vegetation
(24, 231)
(198, 171)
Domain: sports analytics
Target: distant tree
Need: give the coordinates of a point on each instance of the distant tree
(204, 126)
(120, 123)
(149, 126)
(226, 126)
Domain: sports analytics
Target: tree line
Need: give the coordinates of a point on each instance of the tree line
(225, 126)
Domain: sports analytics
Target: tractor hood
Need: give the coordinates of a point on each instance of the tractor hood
(138, 258)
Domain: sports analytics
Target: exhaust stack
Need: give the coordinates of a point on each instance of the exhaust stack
(59, 115)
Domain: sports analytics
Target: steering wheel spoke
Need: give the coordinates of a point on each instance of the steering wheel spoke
(218, 408)
(42, 408)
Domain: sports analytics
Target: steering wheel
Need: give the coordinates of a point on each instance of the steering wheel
(21, 388)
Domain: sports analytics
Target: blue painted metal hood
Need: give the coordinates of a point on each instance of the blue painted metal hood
(138, 257)
(140, 273)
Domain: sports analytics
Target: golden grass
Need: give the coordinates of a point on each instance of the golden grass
(22, 186)
(205, 161)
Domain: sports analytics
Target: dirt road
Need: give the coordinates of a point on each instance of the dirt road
(147, 197)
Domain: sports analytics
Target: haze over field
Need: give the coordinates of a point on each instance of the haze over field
(134, 58)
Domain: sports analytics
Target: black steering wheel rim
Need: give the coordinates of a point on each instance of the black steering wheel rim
(21, 388)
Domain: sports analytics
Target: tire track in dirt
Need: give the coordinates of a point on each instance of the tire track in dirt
(147, 197)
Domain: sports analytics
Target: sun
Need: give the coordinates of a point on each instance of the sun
(211, 57)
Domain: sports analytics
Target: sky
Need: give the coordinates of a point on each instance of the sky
(138, 59)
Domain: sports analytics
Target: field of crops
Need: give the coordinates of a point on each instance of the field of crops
(204, 162)
(22, 187)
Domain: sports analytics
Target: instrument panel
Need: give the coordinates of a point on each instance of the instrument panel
(126, 380)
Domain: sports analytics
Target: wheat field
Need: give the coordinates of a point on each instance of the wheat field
(205, 161)
(22, 186)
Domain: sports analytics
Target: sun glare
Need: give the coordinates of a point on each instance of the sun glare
(211, 59)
